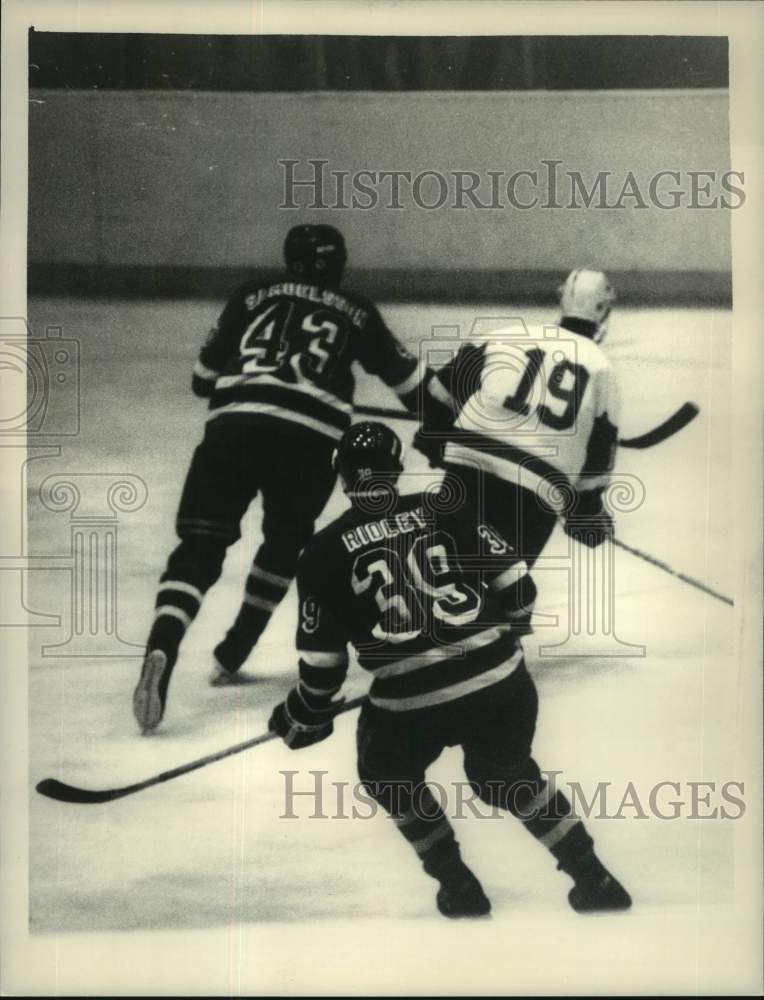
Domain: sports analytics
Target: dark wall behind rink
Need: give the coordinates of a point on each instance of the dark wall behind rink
(183, 191)
(254, 63)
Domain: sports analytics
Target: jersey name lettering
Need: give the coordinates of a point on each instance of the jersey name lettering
(326, 297)
(377, 531)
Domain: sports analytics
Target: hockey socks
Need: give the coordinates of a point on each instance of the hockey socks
(426, 827)
(177, 605)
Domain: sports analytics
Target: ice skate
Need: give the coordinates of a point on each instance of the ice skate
(596, 891)
(222, 676)
(460, 894)
(151, 692)
(228, 657)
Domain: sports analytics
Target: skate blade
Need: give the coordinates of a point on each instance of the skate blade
(220, 677)
(147, 702)
(613, 904)
(232, 680)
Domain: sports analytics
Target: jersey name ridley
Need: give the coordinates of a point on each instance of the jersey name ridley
(377, 531)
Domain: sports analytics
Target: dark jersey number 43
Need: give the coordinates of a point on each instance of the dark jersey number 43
(265, 344)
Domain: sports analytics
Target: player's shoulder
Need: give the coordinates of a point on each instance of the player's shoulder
(367, 312)
(578, 349)
(322, 547)
(247, 291)
(420, 501)
(448, 509)
(356, 297)
(588, 350)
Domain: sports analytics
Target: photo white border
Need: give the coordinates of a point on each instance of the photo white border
(359, 957)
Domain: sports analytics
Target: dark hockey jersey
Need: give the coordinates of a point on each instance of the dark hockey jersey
(433, 601)
(284, 352)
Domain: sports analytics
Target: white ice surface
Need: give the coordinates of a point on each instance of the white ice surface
(209, 854)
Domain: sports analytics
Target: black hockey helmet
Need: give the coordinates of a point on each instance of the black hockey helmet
(368, 459)
(315, 251)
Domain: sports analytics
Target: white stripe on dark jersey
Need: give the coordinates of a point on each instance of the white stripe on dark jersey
(208, 374)
(439, 653)
(453, 691)
(270, 409)
(229, 381)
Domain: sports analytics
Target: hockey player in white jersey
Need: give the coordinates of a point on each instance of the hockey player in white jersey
(529, 421)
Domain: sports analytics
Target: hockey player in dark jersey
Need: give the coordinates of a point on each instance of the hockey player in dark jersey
(277, 371)
(434, 601)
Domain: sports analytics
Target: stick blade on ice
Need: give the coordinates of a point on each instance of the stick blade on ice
(51, 788)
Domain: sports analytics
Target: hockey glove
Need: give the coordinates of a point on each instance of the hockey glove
(302, 719)
(431, 447)
(590, 529)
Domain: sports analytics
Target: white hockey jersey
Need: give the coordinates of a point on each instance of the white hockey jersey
(537, 407)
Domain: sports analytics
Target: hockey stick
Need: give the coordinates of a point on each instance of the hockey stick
(667, 569)
(61, 792)
(680, 419)
(394, 412)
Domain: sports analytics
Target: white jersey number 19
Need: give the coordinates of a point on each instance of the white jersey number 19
(564, 385)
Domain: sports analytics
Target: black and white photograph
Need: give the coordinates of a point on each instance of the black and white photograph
(381, 444)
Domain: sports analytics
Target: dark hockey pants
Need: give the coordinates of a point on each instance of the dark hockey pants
(495, 729)
(233, 463)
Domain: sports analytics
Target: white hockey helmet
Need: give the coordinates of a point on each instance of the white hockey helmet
(587, 295)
